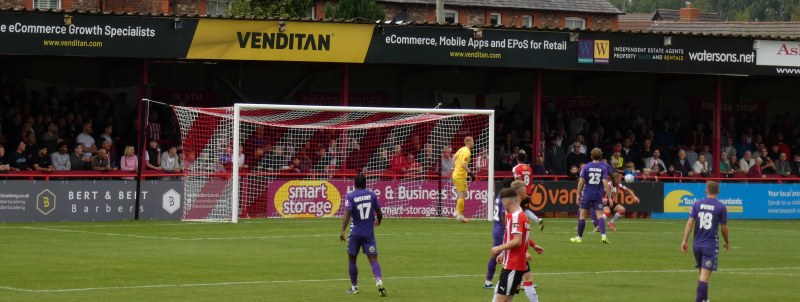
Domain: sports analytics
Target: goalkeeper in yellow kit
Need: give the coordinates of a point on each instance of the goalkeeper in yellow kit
(460, 174)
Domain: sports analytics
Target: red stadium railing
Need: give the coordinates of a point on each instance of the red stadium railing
(150, 174)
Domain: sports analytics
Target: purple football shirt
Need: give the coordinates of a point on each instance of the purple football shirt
(708, 214)
(593, 175)
(362, 205)
(499, 214)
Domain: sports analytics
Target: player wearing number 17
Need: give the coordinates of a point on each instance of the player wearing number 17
(711, 218)
(460, 173)
(362, 205)
(592, 181)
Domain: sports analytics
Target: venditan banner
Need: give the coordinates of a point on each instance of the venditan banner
(85, 200)
(562, 196)
(87, 35)
(470, 47)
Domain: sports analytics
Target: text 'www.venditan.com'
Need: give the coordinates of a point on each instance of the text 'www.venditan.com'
(72, 43)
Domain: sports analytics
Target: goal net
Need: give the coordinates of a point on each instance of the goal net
(255, 160)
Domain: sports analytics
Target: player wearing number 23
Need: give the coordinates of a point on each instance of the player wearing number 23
(708, 217)
(593, 181)
(362, 206)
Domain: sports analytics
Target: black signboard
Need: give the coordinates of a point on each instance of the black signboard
(665, 54)
(562, 196)
(471, 47)
(89, 35)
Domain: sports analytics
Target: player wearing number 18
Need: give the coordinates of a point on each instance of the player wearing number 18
(363, 206)
(708, 217)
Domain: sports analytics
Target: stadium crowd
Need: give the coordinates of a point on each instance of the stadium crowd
(658, 144)
(58, 132)
(54, 132)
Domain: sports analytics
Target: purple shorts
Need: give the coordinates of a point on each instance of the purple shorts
(706, 257)
(497, 239)
(589, 203)
(367, 245)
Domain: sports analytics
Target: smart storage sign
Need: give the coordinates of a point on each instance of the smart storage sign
(744, 201)
(108, 200)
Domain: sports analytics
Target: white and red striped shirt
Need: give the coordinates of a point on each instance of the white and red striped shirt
(516, 258)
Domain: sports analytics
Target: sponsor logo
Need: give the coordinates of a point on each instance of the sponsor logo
(708, 263)
(293, 41)
(679, 201)
(171, 201)
(371, 248)
(46, 202)
(307, 198)
(594, 51)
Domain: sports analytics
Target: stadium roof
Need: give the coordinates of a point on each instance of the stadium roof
(675, 15)
(774, 30)
(589, 6)
(752, 30)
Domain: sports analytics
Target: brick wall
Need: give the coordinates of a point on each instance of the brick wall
(16, 4)
(139, 6)
(81, 5)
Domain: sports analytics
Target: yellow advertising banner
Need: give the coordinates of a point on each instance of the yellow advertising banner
(280, 41)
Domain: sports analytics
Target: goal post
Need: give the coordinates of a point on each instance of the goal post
(262, 160)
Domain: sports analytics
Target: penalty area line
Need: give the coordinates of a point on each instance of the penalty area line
(235, 283)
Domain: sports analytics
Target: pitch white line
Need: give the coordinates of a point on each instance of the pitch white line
(732, 271)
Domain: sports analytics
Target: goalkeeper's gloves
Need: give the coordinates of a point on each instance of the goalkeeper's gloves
(470, 176)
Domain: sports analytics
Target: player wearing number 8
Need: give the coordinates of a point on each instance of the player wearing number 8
(712, 218)
(362, 205)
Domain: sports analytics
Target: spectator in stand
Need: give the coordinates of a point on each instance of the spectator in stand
(555, 161)
(743, 146)
(616, 160)
(596, 141)
(755, 170)
(706, 152)
(579, 140)
(170, 161)
(397, 164)
(729, 148)
(775, 153)
(671, 172)
(683, 166)
(412, 166)
(782, 166)
(60, 159)
(691, 154)
(526, 143)
(77, 159)
(448, 164)
(747, 162)
(129, 161)
(735, 165)
(4, 166)
(538, 166)
(701, 167)
(51, 138)
(152, 156)
(18, 160)
(108, 135)
(725, 167)
(41, 161)
(796, 165)
(767, 164)
(561, 140)
(645, 153)
(100, 162)
(630, 168)
(782, 146)
(576, 158)
(654, 162)
(31, 147)
(428, 159)
(573, 173)
(85, 138)
(153, 128)
(628, 154)
(110, 151)
(294, 166)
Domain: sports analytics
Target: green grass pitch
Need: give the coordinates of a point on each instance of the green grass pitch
(422, 260)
